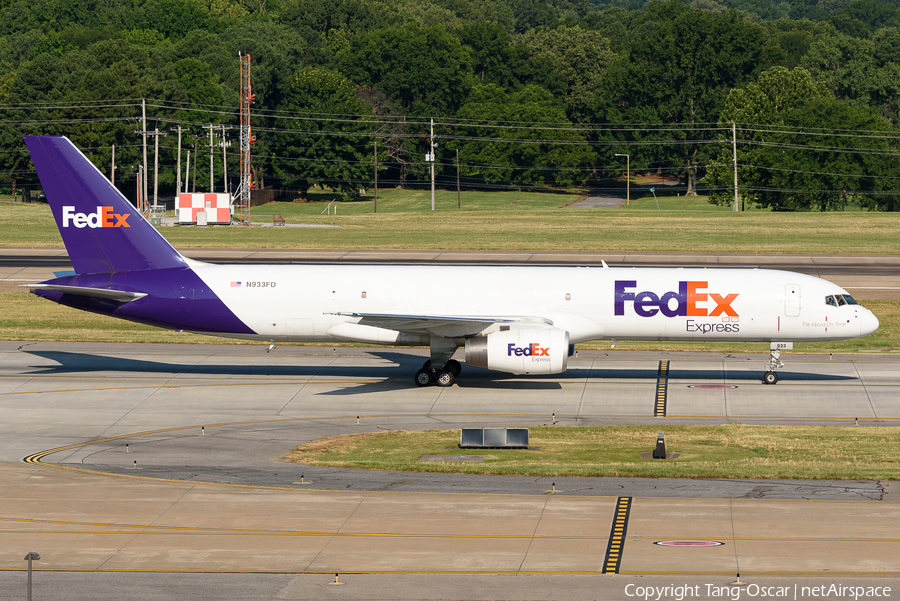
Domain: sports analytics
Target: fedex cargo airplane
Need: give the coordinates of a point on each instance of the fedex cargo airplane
(521, 320)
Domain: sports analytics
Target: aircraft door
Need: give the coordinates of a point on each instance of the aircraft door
(792, 300)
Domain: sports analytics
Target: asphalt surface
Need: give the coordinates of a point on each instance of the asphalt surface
(101, 586)
(239, 455)
(196, 417)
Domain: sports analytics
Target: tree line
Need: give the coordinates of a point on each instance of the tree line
(524, 94)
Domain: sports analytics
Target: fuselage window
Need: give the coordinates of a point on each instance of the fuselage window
(829, 300)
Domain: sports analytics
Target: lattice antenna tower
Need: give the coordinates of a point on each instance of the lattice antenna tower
(246, 184)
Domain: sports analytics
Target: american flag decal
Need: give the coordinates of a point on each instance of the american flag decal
(235, 284)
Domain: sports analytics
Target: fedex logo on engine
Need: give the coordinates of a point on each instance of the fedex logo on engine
(532, 350)
(691, 300)
(104, 217)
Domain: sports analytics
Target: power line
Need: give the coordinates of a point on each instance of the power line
(821, 173)
(821, 148)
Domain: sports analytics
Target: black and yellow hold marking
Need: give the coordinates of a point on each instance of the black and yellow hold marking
(613, 560)
(662, 384)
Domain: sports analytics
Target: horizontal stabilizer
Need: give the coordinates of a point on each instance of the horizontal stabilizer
(105, 293)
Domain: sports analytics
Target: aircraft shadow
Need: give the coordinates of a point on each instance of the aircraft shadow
(755, 375)
(398, 375)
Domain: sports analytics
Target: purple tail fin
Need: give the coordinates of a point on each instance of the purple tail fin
(102, 231)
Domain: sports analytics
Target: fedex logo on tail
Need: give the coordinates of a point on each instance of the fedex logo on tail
(103, 217)
(691, 300)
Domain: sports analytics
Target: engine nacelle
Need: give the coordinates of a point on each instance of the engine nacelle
(520, 351)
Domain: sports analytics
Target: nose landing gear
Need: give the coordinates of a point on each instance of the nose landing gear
(770, 377)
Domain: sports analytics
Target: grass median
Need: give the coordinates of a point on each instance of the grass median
(531, 224)
(728, 451)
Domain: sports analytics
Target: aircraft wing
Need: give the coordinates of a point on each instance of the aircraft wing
(105, 293)
(438, 325)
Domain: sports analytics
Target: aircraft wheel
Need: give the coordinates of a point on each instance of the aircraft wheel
(454, 367)
(770, 377)
(427, 364)
(444, 378)
(424, 377)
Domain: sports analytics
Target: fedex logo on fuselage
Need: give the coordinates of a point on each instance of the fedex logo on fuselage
(532, 350)
(691, 300)
(104, 217)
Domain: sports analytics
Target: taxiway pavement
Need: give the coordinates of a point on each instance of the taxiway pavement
(221, 499)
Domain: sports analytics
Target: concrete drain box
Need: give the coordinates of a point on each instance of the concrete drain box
(494, 438)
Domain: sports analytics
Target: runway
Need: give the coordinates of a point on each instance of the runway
(208, 426)
(867, 277)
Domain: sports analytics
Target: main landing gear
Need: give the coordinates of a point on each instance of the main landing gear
(770, 377)
(443, 377)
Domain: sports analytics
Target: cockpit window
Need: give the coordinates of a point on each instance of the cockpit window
(850, 300)
(829, 300)
(840, 300)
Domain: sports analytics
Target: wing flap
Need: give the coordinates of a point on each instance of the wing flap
(438, 325)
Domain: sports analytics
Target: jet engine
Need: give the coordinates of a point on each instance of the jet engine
(520, 351)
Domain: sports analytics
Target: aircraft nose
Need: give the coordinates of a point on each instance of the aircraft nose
(868, 323)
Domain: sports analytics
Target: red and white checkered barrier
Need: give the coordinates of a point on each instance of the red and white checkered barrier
(217, 207)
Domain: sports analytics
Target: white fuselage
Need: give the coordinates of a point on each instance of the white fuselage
(311, 303)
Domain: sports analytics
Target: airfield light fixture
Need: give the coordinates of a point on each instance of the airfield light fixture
(31, 556)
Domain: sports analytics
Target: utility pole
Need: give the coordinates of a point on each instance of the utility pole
(431, 158)
(210, 128)
(144, 134)
(458, 204)
(734, 160)
(112, 171)
(156, 134)
(246, 138)
(155, 166)
(224, 163)
(376, 176)
(187, 172)
(196, 160)
(179, 129)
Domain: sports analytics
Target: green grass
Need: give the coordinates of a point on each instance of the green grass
(28, 317)
(693, 204)
(730, 451)
(395, 200)
(537, 222)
